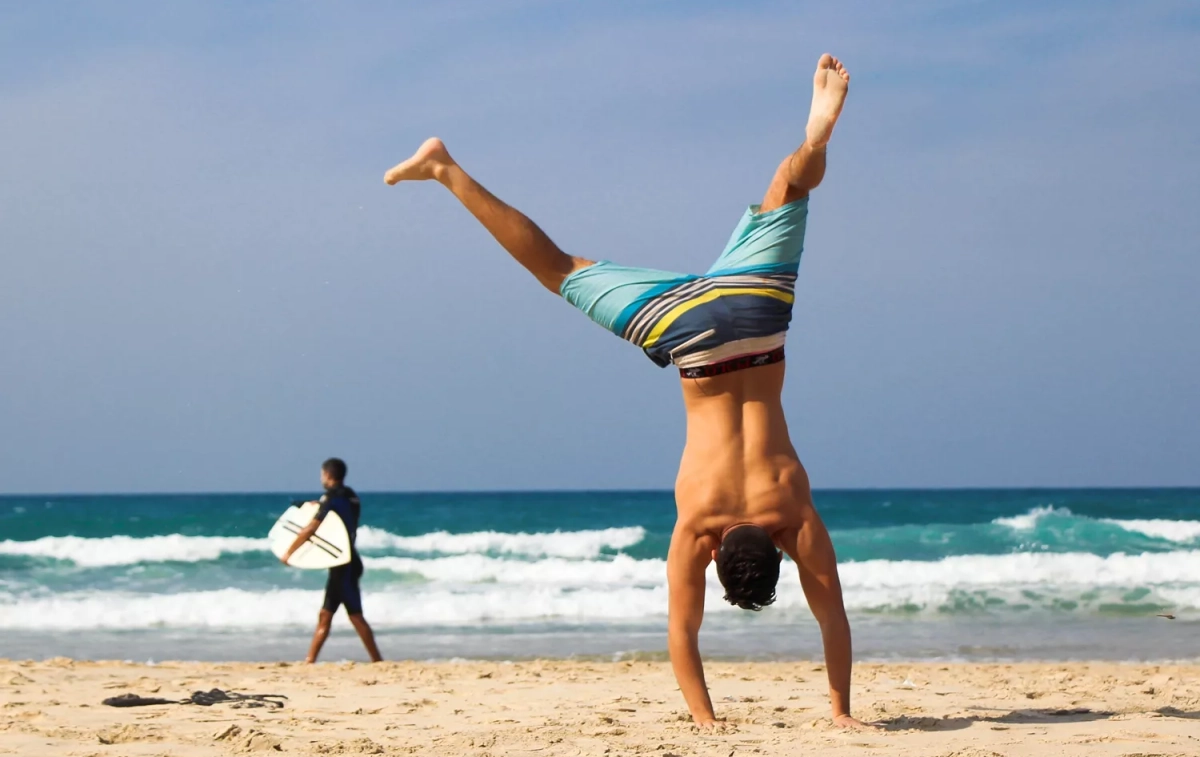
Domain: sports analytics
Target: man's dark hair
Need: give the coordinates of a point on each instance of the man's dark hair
(335, 468)
(748, 566)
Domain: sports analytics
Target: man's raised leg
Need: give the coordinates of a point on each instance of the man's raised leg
(802, 171)
(515, 232)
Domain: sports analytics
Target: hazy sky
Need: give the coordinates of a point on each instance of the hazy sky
(205, 285)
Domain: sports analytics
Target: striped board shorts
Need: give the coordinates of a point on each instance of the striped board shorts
(734, 316)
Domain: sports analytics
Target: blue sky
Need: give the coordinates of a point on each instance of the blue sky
(206, 285)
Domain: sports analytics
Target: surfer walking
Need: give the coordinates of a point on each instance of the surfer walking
(342, 586)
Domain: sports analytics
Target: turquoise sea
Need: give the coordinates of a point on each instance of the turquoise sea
(978, 574)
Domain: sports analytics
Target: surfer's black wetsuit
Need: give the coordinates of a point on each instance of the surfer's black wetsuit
(342, 586)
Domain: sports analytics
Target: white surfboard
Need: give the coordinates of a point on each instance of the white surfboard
(328, 547)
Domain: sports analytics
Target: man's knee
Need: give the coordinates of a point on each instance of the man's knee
(324, 619)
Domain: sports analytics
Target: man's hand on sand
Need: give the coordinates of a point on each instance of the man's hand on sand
(712, 725)
(853, 724)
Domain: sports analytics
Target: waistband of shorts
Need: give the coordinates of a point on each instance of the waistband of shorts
(739, 363)
(727, 351)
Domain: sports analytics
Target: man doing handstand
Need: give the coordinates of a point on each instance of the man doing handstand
(741, 493)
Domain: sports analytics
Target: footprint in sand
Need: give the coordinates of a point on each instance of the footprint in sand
(247, 741)
(127, 734)
(356, 746)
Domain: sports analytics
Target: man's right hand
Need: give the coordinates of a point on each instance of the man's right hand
(710, 724)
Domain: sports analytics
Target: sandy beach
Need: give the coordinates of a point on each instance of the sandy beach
(580, 708)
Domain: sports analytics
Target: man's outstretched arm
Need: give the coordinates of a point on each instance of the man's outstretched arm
(686, 563)
(817, 562)
(304, 535)
(306, 532)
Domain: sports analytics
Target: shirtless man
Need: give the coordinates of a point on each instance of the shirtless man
(742, 494)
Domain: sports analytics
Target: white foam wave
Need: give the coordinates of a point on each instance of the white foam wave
(901, 580)
(1029, 520)
(889, 583)
(574, 544)
(475, 589)
(236, 608)
(130, 550)
(1181, 531)
(555, 571)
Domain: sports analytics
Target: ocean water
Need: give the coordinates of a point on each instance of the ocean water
(1005, 574)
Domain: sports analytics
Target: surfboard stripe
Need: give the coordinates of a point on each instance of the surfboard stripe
(330, 549)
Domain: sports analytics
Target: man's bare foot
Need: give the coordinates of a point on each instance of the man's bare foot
(830, 85)
(429, 162)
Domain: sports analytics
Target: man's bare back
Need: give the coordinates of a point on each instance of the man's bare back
(739, 469)
(741, 491)
(738, 464)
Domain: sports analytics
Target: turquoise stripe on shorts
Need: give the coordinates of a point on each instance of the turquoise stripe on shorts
(763, 244)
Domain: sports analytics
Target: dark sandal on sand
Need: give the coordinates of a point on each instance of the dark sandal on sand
(202, 698)
(133, 700)
(216, 696)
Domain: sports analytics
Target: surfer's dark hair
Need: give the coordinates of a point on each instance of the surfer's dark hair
(335, 468)
(748, 566)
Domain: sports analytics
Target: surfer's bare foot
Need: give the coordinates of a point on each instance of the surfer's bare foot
(430, 161)
(830, 85)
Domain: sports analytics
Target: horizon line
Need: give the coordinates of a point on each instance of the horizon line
(452, 492)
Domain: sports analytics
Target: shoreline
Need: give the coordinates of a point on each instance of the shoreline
(964, 639)
(548, 707)
(601, 659)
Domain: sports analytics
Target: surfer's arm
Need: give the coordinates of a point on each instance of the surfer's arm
(307, 532)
